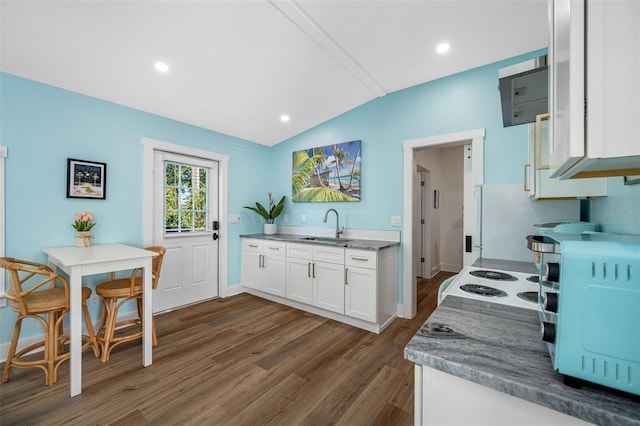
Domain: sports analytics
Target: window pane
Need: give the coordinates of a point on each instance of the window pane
(186, 221)
(171, 198)
(186, 205)
(171, 174)
(186, 199)
(185, 176)
(171, 220)
(200, 199)
(200, 219)
(203, 178)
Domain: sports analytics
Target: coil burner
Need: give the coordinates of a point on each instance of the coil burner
(482, 290)
(529, 296)
(493, 275)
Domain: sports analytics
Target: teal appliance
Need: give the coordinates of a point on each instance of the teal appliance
(590, 306)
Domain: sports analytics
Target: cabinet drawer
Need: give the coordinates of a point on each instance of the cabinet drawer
(328, 254)
(361, 258)
(252, 246)
(301, 251)
(274, 247)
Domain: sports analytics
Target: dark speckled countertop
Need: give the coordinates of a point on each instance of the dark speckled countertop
(340, 242)
(500, 347)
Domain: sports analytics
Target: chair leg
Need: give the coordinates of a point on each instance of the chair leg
(51, 346)
(93, 342)
(109, 328)
(12, 350)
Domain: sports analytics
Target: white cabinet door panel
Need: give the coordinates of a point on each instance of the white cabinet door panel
(361, 294)
(329, 286)
(299, 281)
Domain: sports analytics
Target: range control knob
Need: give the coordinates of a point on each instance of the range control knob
(548, 332)
(550, 301)
(553, 272)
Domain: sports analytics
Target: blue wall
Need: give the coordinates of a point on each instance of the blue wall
(42, 126)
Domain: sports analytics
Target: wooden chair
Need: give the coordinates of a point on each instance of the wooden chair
(36, 291)
(116, 293)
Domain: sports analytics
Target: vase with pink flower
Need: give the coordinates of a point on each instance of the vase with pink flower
(83, 224)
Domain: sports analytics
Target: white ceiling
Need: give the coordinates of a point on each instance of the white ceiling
(237, 66)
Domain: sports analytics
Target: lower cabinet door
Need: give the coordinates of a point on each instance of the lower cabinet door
(361, 294)
(328, 289)
(252, 272)
(274, 275)
(299, 281)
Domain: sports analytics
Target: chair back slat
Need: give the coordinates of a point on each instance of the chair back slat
(156, 263)
(26, 277)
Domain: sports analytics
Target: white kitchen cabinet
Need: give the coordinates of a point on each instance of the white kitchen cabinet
(361, 284)
(328, 288)
(370, 293)
(299, 281)
(539, 184)
(263, 265)
(355, 286)
(595, 88)
(315, 275)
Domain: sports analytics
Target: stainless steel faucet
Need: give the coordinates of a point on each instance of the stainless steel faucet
(338, 230)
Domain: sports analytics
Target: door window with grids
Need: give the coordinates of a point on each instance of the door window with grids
(186, 203)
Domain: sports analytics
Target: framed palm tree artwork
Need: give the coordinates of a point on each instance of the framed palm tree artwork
(327, 174)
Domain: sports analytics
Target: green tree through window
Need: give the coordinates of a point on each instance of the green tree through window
(186, 207)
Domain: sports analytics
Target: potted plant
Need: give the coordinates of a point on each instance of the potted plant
(83, 224)
(269, 215)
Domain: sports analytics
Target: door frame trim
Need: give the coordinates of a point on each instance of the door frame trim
(151, 145)
(408, 307)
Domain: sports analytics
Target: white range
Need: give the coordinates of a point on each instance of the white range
(493, 285)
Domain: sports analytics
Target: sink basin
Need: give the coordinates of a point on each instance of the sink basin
(327, 240)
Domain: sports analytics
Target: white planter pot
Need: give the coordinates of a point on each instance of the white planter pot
(270, 228)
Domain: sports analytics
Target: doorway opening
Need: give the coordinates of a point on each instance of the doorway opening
(473, 141)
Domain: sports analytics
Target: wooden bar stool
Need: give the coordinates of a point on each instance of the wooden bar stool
(34, 292)
(115, 293)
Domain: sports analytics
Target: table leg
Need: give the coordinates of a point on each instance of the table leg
(75, 334)
(147, 315)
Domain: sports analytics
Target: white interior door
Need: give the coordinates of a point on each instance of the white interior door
(185, 221)
(425, 224)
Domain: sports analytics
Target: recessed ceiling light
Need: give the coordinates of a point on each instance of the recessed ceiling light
(284, 118)
(443, 48)
(161, 67)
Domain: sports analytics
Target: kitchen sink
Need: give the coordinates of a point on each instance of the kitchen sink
(330, 240)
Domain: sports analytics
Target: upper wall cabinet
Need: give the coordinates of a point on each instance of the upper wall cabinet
(537, 181)
(595, 88)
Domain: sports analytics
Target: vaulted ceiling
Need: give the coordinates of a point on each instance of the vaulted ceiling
(237, 66)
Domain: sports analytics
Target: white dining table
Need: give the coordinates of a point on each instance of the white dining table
(78, 262)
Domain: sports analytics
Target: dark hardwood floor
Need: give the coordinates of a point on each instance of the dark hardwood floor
(237, 361)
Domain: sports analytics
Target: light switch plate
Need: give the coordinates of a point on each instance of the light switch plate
(234, 218)
(396, 221)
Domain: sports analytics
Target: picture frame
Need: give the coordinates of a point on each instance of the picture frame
(327, 174)
(86, 179)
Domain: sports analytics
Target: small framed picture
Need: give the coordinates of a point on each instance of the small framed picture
(86, 179)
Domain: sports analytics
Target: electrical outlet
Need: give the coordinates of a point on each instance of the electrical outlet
(93, 301)
(396, 221)
(285, 218)
(303, 218)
